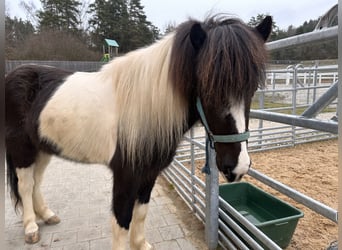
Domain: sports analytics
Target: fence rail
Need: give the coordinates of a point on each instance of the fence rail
(67, 65)
(322, 35)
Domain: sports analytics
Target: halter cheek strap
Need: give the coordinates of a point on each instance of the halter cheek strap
(216, 138)
(219, 138)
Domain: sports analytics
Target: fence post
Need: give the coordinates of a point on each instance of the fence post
(193, 168)
(212, 202)
(315, 82)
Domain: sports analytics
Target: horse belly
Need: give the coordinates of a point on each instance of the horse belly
(80, 120)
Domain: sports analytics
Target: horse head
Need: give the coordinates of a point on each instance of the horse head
(229, 66)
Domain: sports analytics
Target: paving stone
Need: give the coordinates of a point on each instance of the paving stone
(158, 210)
(185, 244)
(86, 211)
(82, 199)
(105, 243)
(14, 244)
(63, 238)
(106, 230)
(167, 245)
(99, 219)
(171, 219)
(171, 232)
(88, 234)
(155, 222)
(45, 240)
(78, 246)
(53, 228)
(162, 200)
(76, 223)
(153, 236)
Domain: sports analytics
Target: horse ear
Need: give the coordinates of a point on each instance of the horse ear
(197, 36)
(265, 27)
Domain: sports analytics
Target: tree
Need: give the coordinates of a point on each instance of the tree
(254, 21)
(55, 45)
(142, 32)
(311, 51)
(83, 15)
(16, 31)
(30, 11)
(170, 26)
(122, 20)
(109, 20)
(306, 27)
(59, 15)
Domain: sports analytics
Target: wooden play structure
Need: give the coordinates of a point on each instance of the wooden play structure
(110, 50)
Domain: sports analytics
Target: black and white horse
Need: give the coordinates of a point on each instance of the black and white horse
(132, 114)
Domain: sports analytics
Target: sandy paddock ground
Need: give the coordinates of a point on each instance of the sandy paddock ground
(310, 168)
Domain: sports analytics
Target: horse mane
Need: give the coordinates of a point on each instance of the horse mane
(229, 66)
(152, 116)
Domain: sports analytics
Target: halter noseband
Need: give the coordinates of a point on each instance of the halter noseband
(219, 138)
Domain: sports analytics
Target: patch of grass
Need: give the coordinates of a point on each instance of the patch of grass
(271, 102)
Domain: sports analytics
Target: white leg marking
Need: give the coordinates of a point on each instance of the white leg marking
(244, 161)
(25, 188)
(39, 204)
(120, 236)
(137, 228)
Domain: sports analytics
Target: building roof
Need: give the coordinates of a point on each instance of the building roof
(112, 43)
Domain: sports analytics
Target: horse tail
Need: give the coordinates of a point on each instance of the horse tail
(12, 181)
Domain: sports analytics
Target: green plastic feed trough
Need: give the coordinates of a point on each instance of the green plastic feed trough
(274, 217)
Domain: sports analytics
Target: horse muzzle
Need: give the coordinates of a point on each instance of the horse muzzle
(236, 174)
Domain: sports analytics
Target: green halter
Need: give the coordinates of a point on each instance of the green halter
(219, 138)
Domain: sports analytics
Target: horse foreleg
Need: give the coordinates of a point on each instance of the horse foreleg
(137, 229)
(120, 235)
(137, 237)
(39, 204)
(123, 202)
(25, 188)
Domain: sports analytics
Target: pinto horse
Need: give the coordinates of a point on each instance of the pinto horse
(132, 114)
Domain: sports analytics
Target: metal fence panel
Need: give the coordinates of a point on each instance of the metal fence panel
(289, 92)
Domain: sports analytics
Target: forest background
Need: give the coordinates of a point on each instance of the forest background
(75, 31)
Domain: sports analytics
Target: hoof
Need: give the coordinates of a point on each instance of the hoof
(53, 220)
(147, 246)
(142, 246)
(31, 238)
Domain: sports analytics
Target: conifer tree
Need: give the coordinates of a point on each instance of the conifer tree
(122, 20)
(59, 15)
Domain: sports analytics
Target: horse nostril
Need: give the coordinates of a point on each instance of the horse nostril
(238, 177)
(231, 177)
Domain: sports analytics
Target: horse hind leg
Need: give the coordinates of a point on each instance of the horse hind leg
(39, 204)
(25, 189)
